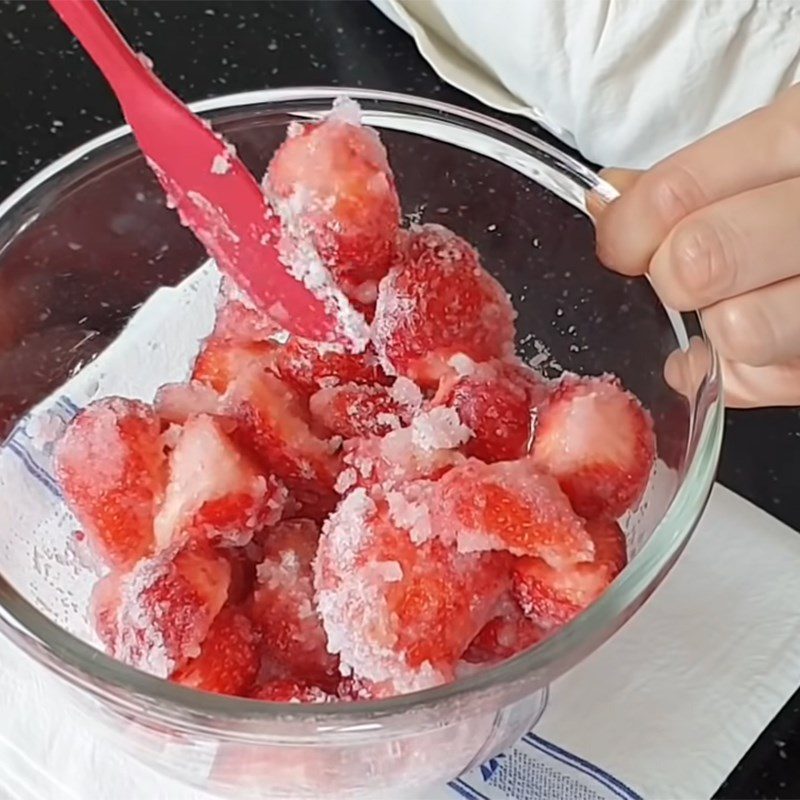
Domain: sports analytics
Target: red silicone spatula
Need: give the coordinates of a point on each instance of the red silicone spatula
(214, 193)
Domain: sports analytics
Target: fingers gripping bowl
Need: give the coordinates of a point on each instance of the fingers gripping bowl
(522, 205)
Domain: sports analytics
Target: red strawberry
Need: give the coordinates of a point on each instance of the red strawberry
(353, 410)
(288, 691)
(220, 361)
(157, 616)
(283, 607)
(497, 402)
(332, 182)
(214, 490)
(229, 657)
(400, 610)
(176, 402)
(553, 597)
(597, 441)
(111, 467)
(510, 506)
(307, 366)
(237, 322)
(509, 633)
(437, 302)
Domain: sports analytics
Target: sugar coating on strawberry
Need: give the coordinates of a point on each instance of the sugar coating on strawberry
(157, 616)
(595, 438)
(331, 182)
(498, 402)
(215, 490)
(427, 449)
(288, 691)
(229, 657)
(437, 302)
(506, 634)
(237, 321)
(396, 611)
(553, 597)
(352, 410)
(284, 610)
(110, 465)
(272, 424)
(309, 366)
(510, 506)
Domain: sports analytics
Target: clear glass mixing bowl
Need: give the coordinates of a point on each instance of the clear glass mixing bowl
(85, 242)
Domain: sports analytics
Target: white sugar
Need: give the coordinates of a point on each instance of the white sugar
(407, 393)
(411, 516)
(439, 429)
(462, 364)
(346, 479)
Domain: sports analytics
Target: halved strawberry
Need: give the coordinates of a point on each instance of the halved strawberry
(597, 441)
(229, 657)
(437, 302)
(497, 401)
(283, 607)
(220, 361)
(553, 597)
(308, 366)
(354, 410)
(331, 181)
(509, 633)
(510, 506)
(214, 490)
(157, 616)
(271, 423)
(111, 467)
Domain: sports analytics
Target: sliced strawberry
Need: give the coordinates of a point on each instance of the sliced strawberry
(158, 615)
(597, 441)
(497, 402)
(553, 597)
(215, 491)
(400, 612)
(237, 322)
(438, 302)
(176, 402)
(229, 657)
(111, 467)
(331, 182)
(288, 691)
(427, 449)
(220, 361)
(283, 607)
(354, 410)
(508, 633)
(307, 366)
(510, 506)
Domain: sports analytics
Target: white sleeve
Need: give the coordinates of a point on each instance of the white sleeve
(625, 81)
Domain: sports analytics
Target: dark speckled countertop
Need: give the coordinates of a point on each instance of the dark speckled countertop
(53, 99)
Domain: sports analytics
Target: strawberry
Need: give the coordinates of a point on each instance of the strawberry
(352, 410)
(307, 366)
(400, 611)
(283, 607)
(157, 616)
(331, 182)
(497, 402)
(111, 467)
(229, 657)
(510, 506)
(597, 441)
(437, 301)
(215, 490)
(552, 597)
(272, 424)
(220, 361)
(237, 322)
(508, 633)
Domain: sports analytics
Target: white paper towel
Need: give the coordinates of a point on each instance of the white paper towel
(664, 709)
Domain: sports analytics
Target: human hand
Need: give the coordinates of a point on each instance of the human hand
(717, 228)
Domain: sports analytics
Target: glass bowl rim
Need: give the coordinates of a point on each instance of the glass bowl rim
(83, 665)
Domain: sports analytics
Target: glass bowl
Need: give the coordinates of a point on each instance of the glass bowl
(89, 239)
